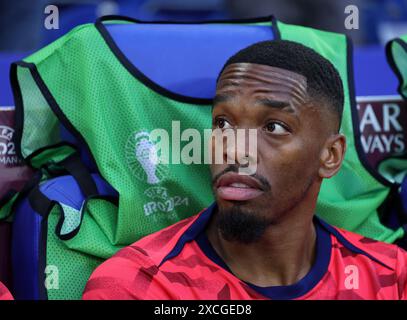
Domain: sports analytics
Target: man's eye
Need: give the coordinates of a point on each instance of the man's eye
(276, 128)
(222, 123)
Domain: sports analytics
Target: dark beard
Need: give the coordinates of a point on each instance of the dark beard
(237, 224)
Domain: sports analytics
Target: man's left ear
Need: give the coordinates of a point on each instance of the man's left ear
(332, 155)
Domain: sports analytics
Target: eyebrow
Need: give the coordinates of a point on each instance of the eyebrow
(276, 104)
(219, 98)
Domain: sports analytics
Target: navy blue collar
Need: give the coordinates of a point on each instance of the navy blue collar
(318, 270)
(196, 231)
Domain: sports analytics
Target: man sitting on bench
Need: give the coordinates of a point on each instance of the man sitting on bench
(261, 239)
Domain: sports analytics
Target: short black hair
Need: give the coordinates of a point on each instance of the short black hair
(324, 83)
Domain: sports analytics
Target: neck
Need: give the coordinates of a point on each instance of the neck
(283, 255)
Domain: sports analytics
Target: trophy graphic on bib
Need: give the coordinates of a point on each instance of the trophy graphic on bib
(146, 155)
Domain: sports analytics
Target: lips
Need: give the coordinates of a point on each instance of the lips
(235, 187)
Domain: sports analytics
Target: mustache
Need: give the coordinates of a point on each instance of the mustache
(233, 168)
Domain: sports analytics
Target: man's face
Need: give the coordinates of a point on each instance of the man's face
(291, 132)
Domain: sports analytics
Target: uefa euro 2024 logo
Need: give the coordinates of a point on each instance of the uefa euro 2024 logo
(148, 153)
(144, 162)
(7, 148)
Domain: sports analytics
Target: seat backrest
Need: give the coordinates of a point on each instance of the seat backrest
(187, 72)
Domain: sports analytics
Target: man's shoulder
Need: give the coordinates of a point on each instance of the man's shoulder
(137, 263)
(147, 251)
(389, 254)
(158, 244)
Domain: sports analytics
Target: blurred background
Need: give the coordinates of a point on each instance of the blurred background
(23, 31)
(22, 21)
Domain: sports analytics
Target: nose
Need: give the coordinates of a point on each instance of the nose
(240, 147)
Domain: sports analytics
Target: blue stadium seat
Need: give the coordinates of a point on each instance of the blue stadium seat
(6, 96)
(75, 13)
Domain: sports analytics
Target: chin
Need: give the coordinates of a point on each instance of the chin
(252, 205)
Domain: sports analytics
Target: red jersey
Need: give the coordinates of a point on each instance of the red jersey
(4, 293)
(179, 263)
